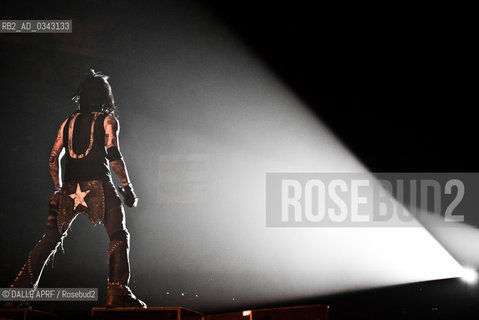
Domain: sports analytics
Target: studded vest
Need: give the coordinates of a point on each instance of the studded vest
(84, 141)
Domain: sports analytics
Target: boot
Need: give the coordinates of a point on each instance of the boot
(16, 305)
(120, 296)
(42, 252)
(118, 293)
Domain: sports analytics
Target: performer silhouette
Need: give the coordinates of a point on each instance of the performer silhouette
(89, 140)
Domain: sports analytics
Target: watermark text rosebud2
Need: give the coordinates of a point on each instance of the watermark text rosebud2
(367, 199)
(49, 294)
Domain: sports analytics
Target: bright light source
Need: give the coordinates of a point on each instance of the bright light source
(246, 313)
(469, 275)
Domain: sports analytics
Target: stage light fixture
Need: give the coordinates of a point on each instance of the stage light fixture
(469, 275)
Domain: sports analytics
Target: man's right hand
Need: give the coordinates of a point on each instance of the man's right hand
(129, 197)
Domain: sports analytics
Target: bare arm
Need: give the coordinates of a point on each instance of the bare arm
(55, 156)
(112, 129)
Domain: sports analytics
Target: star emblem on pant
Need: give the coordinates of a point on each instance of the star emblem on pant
(79, 197)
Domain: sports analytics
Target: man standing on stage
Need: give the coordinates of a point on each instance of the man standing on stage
(89, 140)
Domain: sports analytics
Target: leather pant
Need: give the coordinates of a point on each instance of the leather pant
(45, 249)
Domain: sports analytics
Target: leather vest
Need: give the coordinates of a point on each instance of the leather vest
(84, 141)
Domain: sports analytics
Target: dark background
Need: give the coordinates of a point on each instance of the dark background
(395, 83)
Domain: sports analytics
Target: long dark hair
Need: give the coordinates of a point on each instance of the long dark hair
(94, 94)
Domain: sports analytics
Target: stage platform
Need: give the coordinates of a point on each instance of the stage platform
(25, 314)
(159, 313)
(311, 312)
